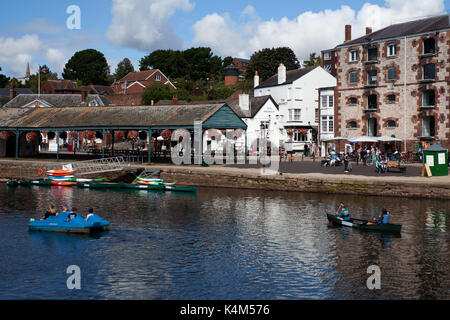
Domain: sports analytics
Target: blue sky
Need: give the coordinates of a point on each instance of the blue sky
(35, 31)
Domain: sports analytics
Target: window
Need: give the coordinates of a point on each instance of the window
(264, 124)
(327, 56)
(352, 125)
(428, 98)
(299, 137)
(372, 102)
(428, 126)
(391, 98)
(372, 54)
(391, 73)
(158, 77)
(391, 124)
(353, 77)
(327, 101)
(372, 77)
(429, 46)
(327, 124)
(353, 56)
(352, 101)
(391, 50)
(429, 71)
(294, 114)
(316, 115)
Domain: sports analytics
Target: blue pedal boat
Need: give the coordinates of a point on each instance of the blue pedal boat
(76, 225)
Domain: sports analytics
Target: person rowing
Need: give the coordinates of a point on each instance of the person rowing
(343, 213)
(384, 218)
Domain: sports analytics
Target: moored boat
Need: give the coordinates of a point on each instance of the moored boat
(62, 183)
(78, 224)
(180, 188)
(154, 187)
(99, 185)
(364, 224)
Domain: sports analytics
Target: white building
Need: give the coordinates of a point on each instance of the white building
(261, 114)
(297, 94)
(326, 114)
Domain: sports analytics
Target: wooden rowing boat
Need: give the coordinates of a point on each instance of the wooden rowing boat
(364, 224)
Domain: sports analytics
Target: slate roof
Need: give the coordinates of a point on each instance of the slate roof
(404, 29)
(291, 76)
(4, 92)
(98, 117)
(256, 103)
(57, 100)
(62, 85)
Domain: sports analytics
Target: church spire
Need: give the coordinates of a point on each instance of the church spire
(28, 71)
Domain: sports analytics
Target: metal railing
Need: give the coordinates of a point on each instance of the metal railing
(102, 165)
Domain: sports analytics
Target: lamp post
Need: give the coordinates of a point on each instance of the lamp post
(262, 148)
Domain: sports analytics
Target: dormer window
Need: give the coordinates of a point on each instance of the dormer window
(158, 77)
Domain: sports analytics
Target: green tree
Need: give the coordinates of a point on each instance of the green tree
(170, 62)
(156, 92)
(4, 80)
(89, 66)
(314, 61)
(193, 64)
(267, 61)
(124, 67)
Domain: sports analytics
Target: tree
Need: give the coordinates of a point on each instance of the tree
(89, 66)
(193, 64)
(267, 61)
(124, 67)
(4, 80)
(156, 92)
(170, 62)
(313, 61)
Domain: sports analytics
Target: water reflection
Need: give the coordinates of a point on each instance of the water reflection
(223, 244)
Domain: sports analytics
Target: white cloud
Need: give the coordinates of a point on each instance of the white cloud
(145, 24)
(308, 32)
(16, 53)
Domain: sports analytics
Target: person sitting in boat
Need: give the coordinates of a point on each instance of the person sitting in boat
(90, 214)
(343, 213)
(65, 208)
(72, 214)
(51, 212)
(384, 218)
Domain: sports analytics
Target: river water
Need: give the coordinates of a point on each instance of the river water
(222, 244)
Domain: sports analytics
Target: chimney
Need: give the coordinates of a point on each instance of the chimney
(256, 81)
(12, 92)
(84, 94)
(368, 30)
(281, 74)
(175, 99)
(348, 32)
(244, 102)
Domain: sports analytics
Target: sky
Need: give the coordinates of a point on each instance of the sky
(37, 32)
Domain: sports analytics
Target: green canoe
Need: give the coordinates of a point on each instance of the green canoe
(41, 182)
(365, 225)
(180, 188)
(155, 187)
(95, 185)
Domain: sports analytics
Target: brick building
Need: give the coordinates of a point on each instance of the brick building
(395, 82)
(137, 82)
